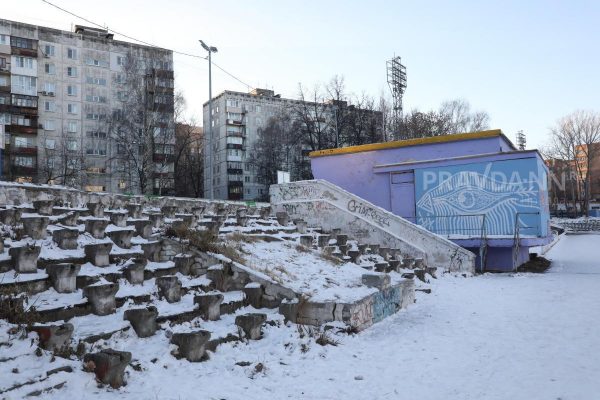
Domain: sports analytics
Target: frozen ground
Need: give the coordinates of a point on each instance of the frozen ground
(520, 336)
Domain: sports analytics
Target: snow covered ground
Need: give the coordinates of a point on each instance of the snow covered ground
(503, 336)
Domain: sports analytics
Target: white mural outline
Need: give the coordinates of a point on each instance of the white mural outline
(457, 204)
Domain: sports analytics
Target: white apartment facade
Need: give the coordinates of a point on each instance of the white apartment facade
(58, 89)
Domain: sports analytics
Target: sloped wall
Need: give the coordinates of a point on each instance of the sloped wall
(325, 205)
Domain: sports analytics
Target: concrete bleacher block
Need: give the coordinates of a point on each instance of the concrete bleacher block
(323, 241)
(183, 263)
(69, 219)
(35, 226)
(53, 337)
(251, 324)
(362, 248)
(24, 258)
(143, 320)
(101, 297)
(43, 207)
(282, 218)
(121, 237)
(10, 216)
(341, 239)
(134, 271)
(306, 240)
(98, 253)
(254, 293)
(169, 211)
(134, 210)
(169, 288)
(96, 209)
(209, 305)
(63, 276)
(109, 366)
(353, 254)
(156, 218)
(96, 227)
(118, 218)
(66, 238)
(191, 345)
(152, 250)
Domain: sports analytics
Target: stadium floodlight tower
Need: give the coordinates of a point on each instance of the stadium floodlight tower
(521, 140)
(209, 155)
(396, 78)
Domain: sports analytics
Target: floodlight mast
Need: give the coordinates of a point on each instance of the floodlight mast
(209, 155)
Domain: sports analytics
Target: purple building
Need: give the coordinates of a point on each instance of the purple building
(476, 189)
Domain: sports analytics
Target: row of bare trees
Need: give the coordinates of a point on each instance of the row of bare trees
(327, 116)
(573, 149)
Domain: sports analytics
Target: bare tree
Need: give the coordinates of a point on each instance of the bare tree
(575, 137)
(188, 160)
(62, 160)
(144, 125)
(452, 117)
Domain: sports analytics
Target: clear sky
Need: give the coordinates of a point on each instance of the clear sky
(526, 63)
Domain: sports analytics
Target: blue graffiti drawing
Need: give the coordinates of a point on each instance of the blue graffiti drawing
(457, 205)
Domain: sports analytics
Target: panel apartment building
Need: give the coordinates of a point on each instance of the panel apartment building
(59, 89)
(236, 120)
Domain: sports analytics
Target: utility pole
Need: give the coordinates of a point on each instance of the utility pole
(210, 50)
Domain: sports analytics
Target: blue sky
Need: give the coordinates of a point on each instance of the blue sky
(526, 63)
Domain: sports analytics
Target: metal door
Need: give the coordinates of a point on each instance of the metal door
(402, 186)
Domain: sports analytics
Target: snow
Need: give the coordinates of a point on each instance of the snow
(305, 271)
(494, 337)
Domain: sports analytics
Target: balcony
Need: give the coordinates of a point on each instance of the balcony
(235, 146)
(22, 129)
(19, 51)
(234, 171)
(21, 150)
(4, 69)
(21, 170)
(235, 122)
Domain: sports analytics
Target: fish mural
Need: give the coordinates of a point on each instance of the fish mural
(457, 205)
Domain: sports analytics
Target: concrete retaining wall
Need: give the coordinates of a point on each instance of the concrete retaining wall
(325, 205)
(358, 315)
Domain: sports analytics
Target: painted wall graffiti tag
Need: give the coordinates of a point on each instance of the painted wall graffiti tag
(296, 192)
(369, 212)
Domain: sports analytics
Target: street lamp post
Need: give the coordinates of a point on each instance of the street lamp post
(210, 50)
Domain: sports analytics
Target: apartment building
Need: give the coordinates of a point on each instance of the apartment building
(60, 93)
(236, 120)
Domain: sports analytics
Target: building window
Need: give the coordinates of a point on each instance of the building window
(122, 184)
(24, 85)
(95, 99)
(49, 87)
(4, 81)
(50, 144)
(4, 118)
(23, 62)
(50, 69)
(72, 71)
(49, 125)
(3, 39)
(49, 50)
(72, 127)
(49, 106)
(95, 81)
(21, 43)
(72, 108)
(72, 53)
(23, 161)
(72, 144)
(120, 60)
(72, 90)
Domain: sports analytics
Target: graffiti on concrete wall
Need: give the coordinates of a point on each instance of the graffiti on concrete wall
(369, 212)
(459, 202)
